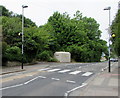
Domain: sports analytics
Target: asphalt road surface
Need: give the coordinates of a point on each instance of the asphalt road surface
(52, 81)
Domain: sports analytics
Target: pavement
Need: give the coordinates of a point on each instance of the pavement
(103, 84)
(7, 70)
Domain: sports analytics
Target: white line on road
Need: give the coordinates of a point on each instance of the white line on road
(68, 92)
(11, 86)
(87, 74)
(80, 67)
(23, 83)
(42, 77)
(55, 79)
(52, 70)
(31, 80)
(69, 81)
(63, 71)
(75, 72)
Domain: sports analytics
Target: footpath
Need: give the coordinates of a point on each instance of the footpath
(7, 70)
(104, 84)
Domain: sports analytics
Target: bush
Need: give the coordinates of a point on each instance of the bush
(44, 56)
(52, 60)
(13, 53)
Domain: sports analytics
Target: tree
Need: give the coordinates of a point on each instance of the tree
(115, 28)
(78, 33)
(5, 12)
(11, 29)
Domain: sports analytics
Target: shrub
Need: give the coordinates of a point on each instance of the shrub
(13, 53)
(52, 60)
(44, 56)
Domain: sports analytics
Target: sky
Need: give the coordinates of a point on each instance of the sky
(40, 10)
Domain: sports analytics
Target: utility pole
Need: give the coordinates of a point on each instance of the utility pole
(23, 6)
(109, 69)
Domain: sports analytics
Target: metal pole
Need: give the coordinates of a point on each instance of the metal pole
(109, 69)
(108, 8)
(22, 35)
(109, 43)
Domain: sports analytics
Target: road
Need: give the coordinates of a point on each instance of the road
(59, 80)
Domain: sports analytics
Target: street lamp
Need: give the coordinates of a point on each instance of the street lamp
(108, 8)
(23, 6)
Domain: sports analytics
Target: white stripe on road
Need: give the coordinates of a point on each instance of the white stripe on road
(23, 83)
(80, 67)
(69, 81)
(42, 77)
(83, 84)
(11, 86)
(55, 79)
(75, 72)
(52, 70)
(63, 71)
(87, 74)
(31, 80)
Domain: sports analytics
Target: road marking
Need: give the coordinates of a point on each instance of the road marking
(42, 77)
(68, 92)
(75, 72)
(79, 66)
(31, 80)
(11, 86)
(63, 71)
(87, 74)
(104, 68)
(69, 81)
(43, 69)
(52, 70)
(55, 79)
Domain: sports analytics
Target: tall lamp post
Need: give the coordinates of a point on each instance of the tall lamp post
(23, 6)
(109, 8)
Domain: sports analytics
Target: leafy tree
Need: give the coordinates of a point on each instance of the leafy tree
(5, 12)
(115, 27)
(11, 29)
(77, 34)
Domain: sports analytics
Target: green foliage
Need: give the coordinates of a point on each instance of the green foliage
(115, 28)
(52, 59)
(11, 28)
(4, 57)
(44, 56)
(13, 53)
(78, 35)
(5, 12)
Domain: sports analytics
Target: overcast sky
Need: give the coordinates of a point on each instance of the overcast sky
(40, 10)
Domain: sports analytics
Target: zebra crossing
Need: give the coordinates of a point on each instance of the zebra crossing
(75, 72)
(71, 72)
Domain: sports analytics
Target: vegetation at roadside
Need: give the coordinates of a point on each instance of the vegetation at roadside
(78, 35)
(115, 34)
